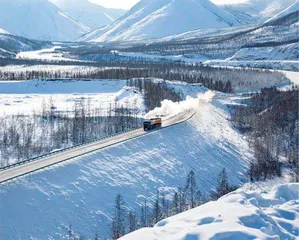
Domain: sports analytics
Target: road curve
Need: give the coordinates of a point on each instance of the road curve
(11, 173)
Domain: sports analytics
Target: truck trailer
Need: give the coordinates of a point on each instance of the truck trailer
(152, 123)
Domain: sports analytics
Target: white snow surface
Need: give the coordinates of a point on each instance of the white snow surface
(160, 18)
(282, 52)
(285, 65)
(291, 9)
(38, 19)
(2, 31)
(88, 13)
(236, 216)
(258, 11)
(25, 97)
(81, 192)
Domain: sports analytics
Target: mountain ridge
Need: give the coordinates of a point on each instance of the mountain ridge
(160, 18)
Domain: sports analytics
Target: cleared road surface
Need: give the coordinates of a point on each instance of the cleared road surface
(30, 167)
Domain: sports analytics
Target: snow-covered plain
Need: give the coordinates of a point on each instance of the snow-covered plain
(81, 192)
(236, 216)
(24, 97)
(44, 54)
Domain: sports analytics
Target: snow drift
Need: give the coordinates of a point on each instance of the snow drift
(238, 215)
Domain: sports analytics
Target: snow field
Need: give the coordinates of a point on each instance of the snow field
(24, 97)
(238, 215)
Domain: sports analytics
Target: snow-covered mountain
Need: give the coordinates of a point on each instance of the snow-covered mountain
(238, 215)
(160, 18)
(38, 19)
(88, 13)
(293, 9)
(10, 45)
(255, 11)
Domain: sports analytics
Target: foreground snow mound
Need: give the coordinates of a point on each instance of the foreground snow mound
(239, 215)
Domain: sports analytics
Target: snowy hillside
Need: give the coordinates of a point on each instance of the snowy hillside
(294, 8)
(10, 45)
(88, 13)
(81, 192)
(254, 11)
(38, 19)
(238, 215)
(161, 18)
(283, 52)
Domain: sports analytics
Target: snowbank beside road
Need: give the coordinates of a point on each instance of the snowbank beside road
(238, 215)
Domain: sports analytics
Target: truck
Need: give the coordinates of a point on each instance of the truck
(152, 123)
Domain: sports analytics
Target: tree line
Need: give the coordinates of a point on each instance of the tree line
(270, 119)
(214, 78)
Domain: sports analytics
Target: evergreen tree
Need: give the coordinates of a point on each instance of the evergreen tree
(118, 222)
(144, 215)
(191, 190)
(223, 187)
(175, 208)
(157, 209)
(132, 221)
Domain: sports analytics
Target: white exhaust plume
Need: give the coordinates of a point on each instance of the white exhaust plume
(169, 108)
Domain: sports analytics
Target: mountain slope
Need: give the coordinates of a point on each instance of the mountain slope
(257, 11)
(38, 19)
(293, 9)
(88, 13)
(160, 18)
(10, 45)
(239, 215)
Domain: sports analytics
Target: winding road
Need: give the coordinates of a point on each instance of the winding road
(29, 167)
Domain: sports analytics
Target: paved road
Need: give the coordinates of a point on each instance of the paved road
(30, 167)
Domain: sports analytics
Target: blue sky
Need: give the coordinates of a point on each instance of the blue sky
(127, 4)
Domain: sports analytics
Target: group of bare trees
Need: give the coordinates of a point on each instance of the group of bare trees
(23, 137)
(271, 121)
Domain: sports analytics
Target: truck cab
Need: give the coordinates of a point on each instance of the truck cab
(152, 123)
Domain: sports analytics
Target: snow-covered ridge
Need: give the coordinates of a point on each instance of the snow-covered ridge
(291, 9)
(88, 13)
(38, 19)
(238, 215)
(283, 52)
(258, 11)
(2, 31)
(10, 44)
(161, 18)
